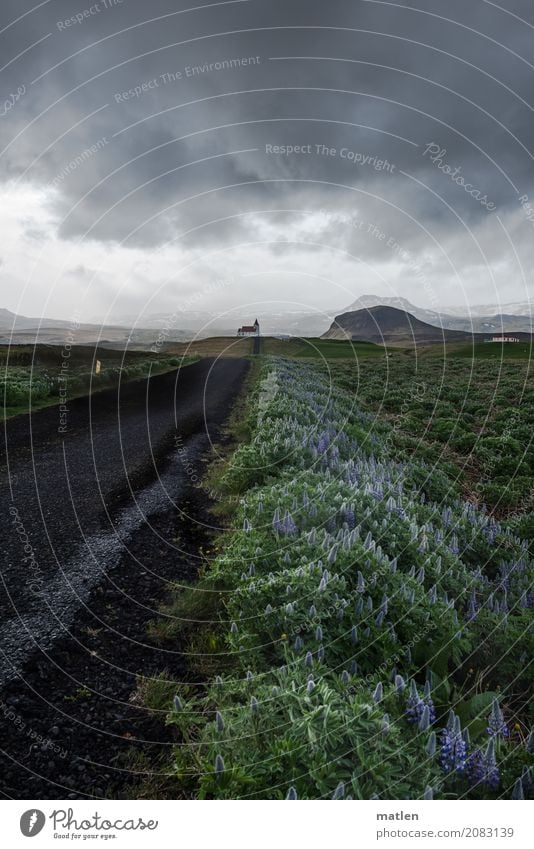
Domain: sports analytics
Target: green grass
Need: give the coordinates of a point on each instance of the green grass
(328, 349)
(31, 378)
(472, 417)
(494, 351)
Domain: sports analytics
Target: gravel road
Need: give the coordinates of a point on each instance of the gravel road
(99, 511)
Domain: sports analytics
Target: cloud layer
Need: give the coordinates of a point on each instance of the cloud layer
(307, 152)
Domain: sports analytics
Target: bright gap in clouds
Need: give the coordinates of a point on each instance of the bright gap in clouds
(282, 260)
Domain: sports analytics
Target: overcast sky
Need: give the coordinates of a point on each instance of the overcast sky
(145, 167)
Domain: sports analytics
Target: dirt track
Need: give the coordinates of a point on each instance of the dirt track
(95, 523)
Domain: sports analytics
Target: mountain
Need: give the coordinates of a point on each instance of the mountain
(368, 301)
(516, 308)
(385, 324)
(9, 320)
(516, 318)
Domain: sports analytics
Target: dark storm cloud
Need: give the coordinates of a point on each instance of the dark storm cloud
(375, 80)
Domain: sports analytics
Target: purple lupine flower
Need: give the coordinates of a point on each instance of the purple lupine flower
(482, 769)
(496, 724)
(288, 526)
(332, 555)
(472, 608)
(453, 751)
(360, 584)
(177, 703)
(400, 684)
(323, 443)
(518, 791)
(219, 721)
(345, 677)
(349, 518)
(308, 660)
(291, 795)
(310, 687)
(424, 722)
(430, 747)
(415, 705)
(428, 795)
(526, 779)
(378, 692)
(339, 792)
(219, 766)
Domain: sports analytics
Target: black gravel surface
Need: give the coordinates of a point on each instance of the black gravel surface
(99, 511)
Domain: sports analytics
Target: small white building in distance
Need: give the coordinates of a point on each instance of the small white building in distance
(249, 329)
(505, 339)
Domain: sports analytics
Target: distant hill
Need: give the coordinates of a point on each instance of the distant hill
(385, 324)
(369, 301)
(514, 318)
(524, 309)
(9, 319)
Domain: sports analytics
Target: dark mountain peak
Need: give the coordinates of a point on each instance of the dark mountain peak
(386, 324)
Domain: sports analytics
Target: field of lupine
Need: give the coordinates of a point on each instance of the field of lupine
(375, 630)
(475, 417)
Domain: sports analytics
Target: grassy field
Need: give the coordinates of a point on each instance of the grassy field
(217, 346)
(32, 377)
(471, 417)
(494, 351)
(358, 618)
(328, 349)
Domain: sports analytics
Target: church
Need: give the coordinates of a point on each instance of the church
(249, 329)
